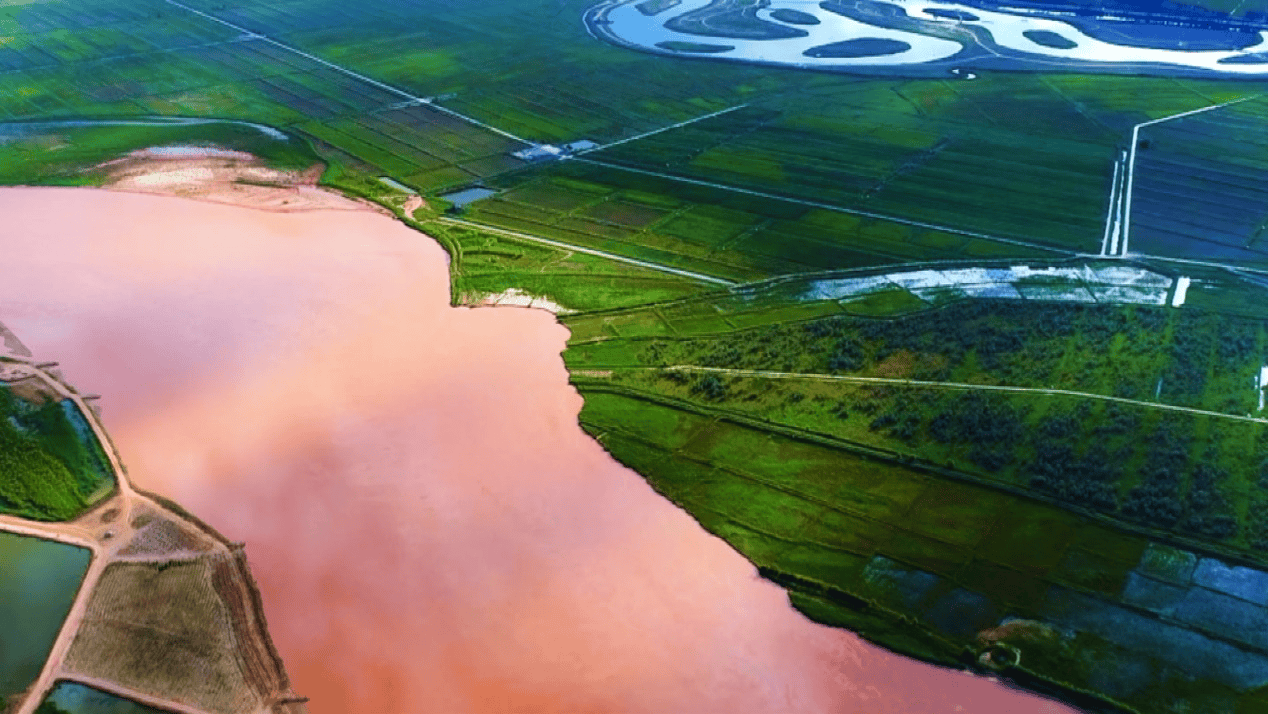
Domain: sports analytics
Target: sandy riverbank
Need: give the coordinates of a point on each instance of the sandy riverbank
(229, 177)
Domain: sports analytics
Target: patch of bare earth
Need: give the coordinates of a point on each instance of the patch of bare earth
(161, 629)
(187, 632)
(160, 539)
(231, 177)
(905, 364)
(897, 366)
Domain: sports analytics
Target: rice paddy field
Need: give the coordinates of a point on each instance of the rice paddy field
(1025, 486)
(1200, 187)
(947, 570)
(1046, 397)
(1048, 476)
(844, 171)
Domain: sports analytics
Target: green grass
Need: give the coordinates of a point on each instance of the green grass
(489, 263)
(51, 466)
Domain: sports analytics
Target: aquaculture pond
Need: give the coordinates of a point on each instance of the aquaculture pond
(38, 582)
(76, 698)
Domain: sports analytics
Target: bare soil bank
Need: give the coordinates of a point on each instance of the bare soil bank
(430, 529)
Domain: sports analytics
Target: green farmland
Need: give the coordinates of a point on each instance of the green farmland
(785, 300)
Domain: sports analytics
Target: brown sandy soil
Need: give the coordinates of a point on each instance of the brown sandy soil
(513, 297)
(430, 528)
(231, 177)
(413, 203)
(898, 365)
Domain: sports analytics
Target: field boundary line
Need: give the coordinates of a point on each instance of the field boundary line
(654, 132)
(412, 98)
(890, 381)
(120, 56)
(1231, 267)
(1114, 213)
(830, 207)
(590, 251)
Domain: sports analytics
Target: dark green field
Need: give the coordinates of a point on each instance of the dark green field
(52, 467)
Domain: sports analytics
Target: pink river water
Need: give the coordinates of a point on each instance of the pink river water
(431, 530)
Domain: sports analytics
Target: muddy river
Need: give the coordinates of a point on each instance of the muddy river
(431, 530)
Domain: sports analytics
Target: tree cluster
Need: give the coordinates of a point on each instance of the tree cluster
(1208, 513)
(1184, 379)
(903, 427)
(1088, 480)
(1156, 500)
(710, 387)
(991, 428)
(849, 356)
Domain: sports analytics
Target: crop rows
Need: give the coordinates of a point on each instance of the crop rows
(1200, 187)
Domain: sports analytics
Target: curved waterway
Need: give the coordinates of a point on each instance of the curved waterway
(430, 528)
(1002, 36)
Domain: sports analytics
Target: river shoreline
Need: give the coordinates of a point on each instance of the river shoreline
(520, 565)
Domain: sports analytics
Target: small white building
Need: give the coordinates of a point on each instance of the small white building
(582, 145)
(538, 152)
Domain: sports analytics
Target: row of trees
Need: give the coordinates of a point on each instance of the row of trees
(990, 426)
